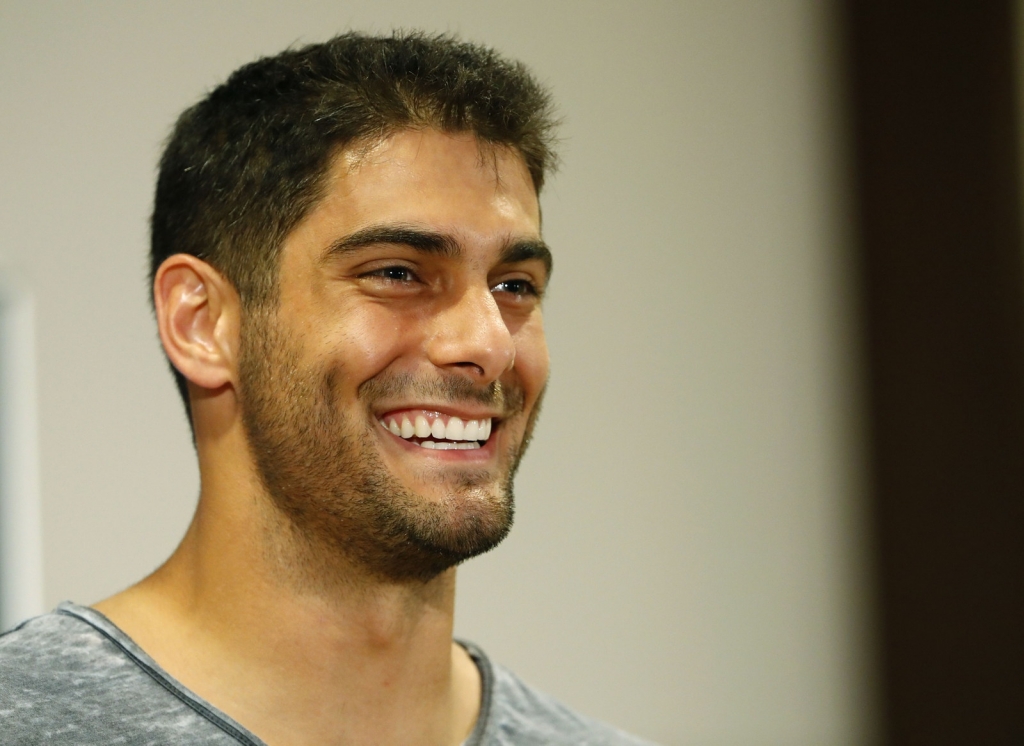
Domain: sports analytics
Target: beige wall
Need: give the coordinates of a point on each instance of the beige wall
(686, 561)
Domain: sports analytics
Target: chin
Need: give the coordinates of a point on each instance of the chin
(421, 543)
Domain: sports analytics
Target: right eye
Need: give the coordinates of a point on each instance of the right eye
(396, 274)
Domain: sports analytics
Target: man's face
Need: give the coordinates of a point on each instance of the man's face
(389, 396)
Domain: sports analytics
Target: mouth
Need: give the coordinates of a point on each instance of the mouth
(438, 430)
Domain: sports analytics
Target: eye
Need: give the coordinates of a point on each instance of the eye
(396, 274)
(518, 287)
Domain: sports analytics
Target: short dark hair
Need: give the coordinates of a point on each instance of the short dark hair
(244, 165)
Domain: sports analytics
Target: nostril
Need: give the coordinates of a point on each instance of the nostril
(475, 367)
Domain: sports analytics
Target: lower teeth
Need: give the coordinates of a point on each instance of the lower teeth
(440, 445)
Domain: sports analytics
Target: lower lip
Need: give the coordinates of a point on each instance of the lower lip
(483, 453)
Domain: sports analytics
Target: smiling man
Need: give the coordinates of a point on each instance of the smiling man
(347, 271)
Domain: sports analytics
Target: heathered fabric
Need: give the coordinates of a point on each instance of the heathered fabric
(72, 677)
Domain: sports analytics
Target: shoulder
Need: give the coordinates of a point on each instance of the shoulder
(519, 714)
(49, 646)
(529, 716)
(72, 677)
(52, 668)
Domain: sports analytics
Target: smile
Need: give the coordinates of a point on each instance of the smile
(438, 431)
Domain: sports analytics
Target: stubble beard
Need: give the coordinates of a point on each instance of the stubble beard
(323, 474)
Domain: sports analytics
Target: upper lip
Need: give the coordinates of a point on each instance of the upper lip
(462, 411)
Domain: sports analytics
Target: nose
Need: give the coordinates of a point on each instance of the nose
(470, 336)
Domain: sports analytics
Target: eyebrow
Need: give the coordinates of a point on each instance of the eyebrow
(525, 249)
(430, 242)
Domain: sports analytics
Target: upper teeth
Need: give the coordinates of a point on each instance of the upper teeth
(455, 429)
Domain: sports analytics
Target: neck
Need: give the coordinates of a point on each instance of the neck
(296, 643)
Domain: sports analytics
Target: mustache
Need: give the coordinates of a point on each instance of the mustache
(508, 399)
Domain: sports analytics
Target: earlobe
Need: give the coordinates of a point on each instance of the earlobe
(197, 315)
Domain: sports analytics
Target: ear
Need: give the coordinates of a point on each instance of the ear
(197, 312)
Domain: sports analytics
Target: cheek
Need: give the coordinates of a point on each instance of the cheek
(532, 360)
(368, 339)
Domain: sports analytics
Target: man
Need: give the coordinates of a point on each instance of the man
(347, 273)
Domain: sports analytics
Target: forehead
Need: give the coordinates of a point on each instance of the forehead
(452, 183)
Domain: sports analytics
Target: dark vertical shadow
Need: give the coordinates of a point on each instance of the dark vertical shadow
(933, 104)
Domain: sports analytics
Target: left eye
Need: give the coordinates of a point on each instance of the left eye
(516, 287)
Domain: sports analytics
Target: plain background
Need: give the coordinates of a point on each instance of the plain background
(688, 559)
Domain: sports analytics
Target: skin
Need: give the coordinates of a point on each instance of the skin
(299, 643)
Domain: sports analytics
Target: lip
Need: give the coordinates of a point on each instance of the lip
(462, 411)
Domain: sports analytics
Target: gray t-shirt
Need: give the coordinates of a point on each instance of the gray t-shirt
(72, 677)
